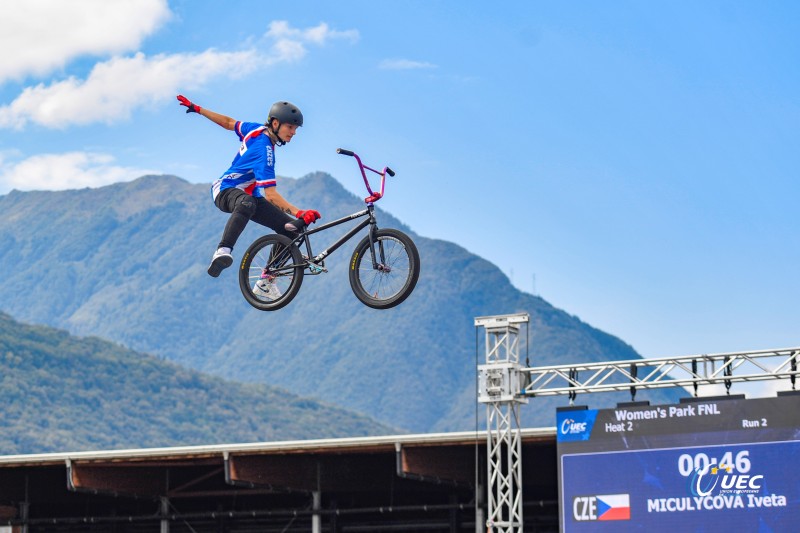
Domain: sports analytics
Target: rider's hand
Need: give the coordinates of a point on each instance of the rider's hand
(190, 107)
(308, 216)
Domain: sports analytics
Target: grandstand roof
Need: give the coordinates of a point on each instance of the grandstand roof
(422, 479)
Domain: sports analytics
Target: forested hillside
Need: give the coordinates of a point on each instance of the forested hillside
(63, 393)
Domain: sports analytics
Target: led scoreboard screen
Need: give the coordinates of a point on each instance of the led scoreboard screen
(714, 465)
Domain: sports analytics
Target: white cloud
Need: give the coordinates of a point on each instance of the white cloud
(289, 44)
(71, 170)
(39, 36)
(114, 88)
(280, 31)
(404, 64)
(288, 51)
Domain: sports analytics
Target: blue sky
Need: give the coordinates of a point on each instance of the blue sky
(633, 163)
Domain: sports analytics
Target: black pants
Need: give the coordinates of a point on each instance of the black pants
(243, 208)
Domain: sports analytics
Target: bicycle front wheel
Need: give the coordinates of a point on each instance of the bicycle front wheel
(394, 274)
(271, 272)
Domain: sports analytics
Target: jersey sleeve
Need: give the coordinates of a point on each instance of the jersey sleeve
(243, 128)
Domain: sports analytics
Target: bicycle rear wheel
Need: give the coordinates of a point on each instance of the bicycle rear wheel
(271, 272)
(391, 280)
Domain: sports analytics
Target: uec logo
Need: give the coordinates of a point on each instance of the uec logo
(570, 427)
(730, 482)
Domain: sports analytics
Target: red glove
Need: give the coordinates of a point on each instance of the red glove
(308, 216)
(190, 107)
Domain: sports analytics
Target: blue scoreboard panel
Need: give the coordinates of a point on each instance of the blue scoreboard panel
(716, 465)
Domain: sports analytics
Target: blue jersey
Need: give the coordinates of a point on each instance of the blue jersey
(253, 167)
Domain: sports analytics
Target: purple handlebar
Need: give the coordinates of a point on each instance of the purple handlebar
(373, 196)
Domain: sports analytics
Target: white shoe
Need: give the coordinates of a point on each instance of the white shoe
(222, 259)
(265, 288)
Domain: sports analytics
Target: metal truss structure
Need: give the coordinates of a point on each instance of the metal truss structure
(504, 385)
(638, 374)
(500, 387)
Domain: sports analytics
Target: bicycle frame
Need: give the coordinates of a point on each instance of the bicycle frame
(368, 212)
(370, 221)
(284, 259)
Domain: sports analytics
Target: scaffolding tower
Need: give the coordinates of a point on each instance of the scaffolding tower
(499, 387)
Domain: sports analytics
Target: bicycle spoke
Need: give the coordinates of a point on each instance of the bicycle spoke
(391, 275)
(271, 263)
(271, 273)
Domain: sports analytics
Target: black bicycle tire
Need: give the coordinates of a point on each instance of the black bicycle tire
(245, 278)
(362, 253)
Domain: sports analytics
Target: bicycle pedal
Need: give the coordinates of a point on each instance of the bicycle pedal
(315, 268)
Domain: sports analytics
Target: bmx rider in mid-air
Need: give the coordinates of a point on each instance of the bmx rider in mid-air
(247, 189)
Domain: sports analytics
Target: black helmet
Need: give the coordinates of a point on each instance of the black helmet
(286, 113)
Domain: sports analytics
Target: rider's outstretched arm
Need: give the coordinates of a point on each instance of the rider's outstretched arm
(225, 121)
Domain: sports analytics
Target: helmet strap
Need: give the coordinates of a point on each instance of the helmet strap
(274, 133)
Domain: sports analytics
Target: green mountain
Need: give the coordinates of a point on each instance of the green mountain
(64, 393)
(127, 262)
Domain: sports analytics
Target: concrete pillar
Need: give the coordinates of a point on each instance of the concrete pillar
(316, 518)
(480, 519)
(164, 514)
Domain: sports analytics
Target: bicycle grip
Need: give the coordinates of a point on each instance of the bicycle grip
(344, 152)
(390, 171)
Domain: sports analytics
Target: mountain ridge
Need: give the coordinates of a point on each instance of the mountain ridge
(128, 261)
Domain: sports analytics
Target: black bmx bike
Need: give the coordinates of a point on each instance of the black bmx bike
(384, 267)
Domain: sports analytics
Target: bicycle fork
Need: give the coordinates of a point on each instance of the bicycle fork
(379, 259)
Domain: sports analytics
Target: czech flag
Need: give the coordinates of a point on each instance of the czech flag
(614, 507)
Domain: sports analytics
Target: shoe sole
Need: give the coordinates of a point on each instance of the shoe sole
(219, 264)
